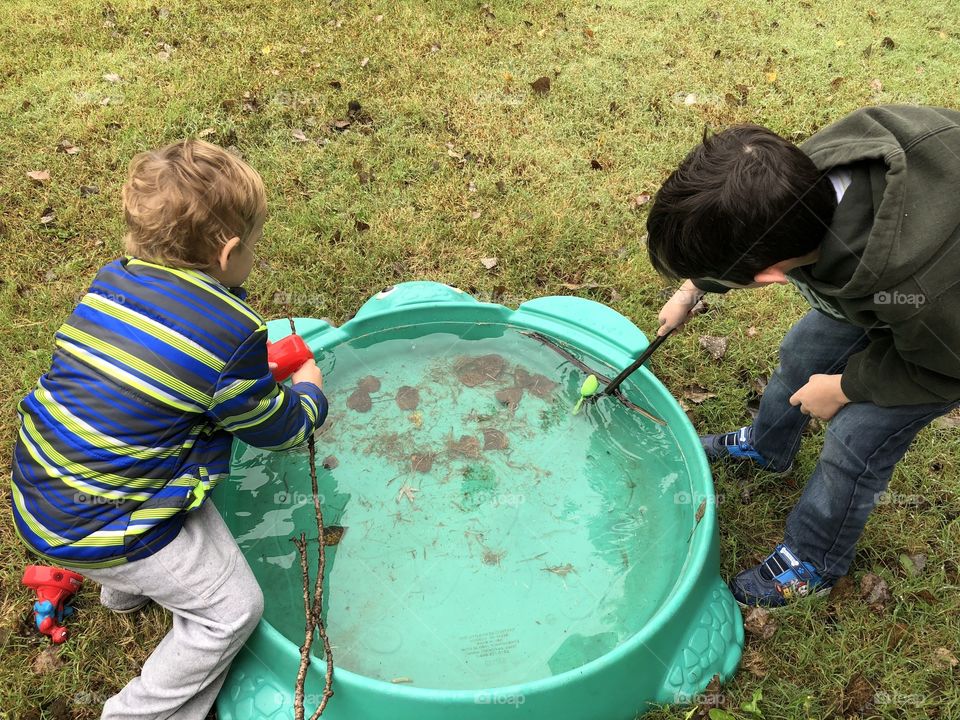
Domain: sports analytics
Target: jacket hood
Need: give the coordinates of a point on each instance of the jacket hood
(893, 220)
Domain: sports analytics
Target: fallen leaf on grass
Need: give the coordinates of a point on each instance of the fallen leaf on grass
(65, 146)
(111, 78)
(39, 177)
(874, 591)
(913, 564)
(88, 190)
(697, 394)
(754, 663)
(541, 86)
(715, 346)
(299, 136)
(857, 695)
(943, 658)
(489, 262)
(47, 661)
(759, 623)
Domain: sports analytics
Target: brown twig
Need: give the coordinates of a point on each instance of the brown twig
(313, 609)
(576, 362)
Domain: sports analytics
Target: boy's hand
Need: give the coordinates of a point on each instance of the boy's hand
(679, 308)
(308, 372)
(821, 397)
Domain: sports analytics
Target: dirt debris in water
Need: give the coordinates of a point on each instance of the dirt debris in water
(332, 534)
(536, 384)
(408, 398)
(330, 462)
(473, 371)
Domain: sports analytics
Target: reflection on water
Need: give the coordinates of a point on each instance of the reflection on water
(491, 537)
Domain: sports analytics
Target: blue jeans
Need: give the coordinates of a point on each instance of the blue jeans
(863, 443)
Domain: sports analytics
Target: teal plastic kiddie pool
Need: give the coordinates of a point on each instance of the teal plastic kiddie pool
(500, 557)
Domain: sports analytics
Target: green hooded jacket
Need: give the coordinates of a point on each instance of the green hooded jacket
(890, 261)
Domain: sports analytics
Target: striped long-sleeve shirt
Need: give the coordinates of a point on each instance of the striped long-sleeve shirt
(154, 373)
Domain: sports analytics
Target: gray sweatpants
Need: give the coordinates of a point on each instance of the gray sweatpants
(204, 580)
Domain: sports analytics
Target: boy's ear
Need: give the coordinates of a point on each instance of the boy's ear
(772, 274)
(223, 257)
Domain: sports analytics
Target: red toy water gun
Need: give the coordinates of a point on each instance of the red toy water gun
(288, 354)
(55, 588)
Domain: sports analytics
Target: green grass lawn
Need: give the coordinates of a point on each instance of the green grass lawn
(450, 158)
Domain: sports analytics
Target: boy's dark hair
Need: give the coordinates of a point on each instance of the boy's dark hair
(741, 201)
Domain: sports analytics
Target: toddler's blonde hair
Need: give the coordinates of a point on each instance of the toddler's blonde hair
(182, 202)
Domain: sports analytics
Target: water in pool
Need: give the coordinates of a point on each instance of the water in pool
(489, 536)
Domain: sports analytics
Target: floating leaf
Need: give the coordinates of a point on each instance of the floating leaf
(369, 384)
(360, 401)
(333, 534)
(421, 462)
(408, 398)
(561, 570)
(330, 462)
(473, 371)
(467, 446)
(494, 439)
(510, 397)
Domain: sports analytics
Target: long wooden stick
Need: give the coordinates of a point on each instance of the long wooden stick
(313, 609)
(577, 362)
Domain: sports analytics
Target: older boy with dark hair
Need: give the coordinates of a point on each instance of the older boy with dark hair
(863, 220)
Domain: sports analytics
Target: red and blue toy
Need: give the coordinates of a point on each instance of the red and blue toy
(55, 588)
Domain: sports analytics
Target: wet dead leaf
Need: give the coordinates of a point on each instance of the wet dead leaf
(369, 384)
(759, 623)
(65, 146)
(754, 663)
(493, 558)
(467, 446)
(943, 658)
(874, 591)
(541, 86)
(47, 661)
(330, 462)
(857, 695)
(494, 439)
(408, 398)
(473, 371)
(332, 534)
(697, 394)
(421, 462)
(540, 386)
(510, 397)
(360, 401)
(714, 345)
(561, 570)
(39, 177)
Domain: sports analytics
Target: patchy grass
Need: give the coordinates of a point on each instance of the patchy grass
(451, 158)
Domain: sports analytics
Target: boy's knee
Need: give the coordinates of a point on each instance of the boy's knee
(251, 609)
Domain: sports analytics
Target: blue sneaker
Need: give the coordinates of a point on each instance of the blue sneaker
(736, 445)
(780, 578)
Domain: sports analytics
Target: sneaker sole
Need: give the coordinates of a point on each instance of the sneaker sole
(127, 611)
(773, 608)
